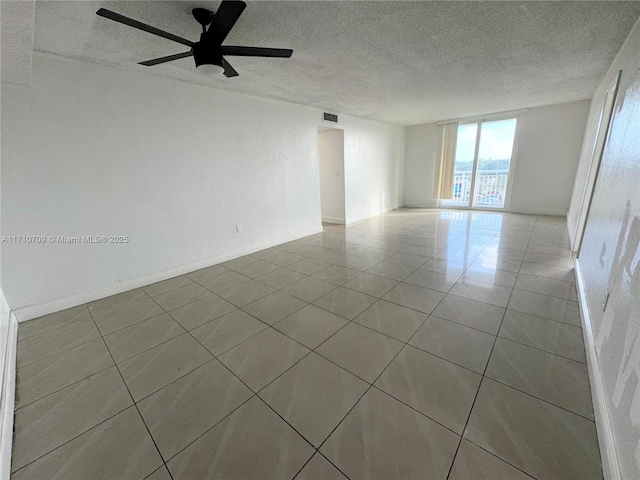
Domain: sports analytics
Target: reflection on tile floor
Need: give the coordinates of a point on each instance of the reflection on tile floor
(426, 344)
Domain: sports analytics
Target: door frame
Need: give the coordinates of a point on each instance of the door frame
(597, 152)
(517, 115)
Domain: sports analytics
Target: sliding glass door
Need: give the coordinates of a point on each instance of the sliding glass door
(482, 163)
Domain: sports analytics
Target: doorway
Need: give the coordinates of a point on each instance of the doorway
(331, 160)
(602, 132)
(483, 157)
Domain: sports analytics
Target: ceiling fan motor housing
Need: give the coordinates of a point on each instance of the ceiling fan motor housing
(207, 54)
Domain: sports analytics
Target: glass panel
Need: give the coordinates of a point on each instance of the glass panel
(494, 159)
(465, 150)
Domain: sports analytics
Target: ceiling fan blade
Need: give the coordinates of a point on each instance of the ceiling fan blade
(229, 71)
(256, 51)
(224, 19)
(169, 58)
(142, 26)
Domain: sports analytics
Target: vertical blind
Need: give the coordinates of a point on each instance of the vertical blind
(448, 136)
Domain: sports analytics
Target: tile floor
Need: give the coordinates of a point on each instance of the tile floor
(418, 344)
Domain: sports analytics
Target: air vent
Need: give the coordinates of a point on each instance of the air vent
(330, 117)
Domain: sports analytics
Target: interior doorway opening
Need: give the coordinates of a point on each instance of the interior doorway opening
(331, 161)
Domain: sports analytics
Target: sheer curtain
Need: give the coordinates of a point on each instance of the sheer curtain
(448, 136)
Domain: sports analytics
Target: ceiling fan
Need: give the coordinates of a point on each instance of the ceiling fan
(208, 52)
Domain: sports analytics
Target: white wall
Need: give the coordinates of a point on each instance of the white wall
(421, 166)
(610, 258)
(373, 164)
(549, 143)
(546, 157)
(8, 344)
(94, 150)
(331, 158)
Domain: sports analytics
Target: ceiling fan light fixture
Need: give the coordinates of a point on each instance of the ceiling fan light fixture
(208, 59)
(210, 69)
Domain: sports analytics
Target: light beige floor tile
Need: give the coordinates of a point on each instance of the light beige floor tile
(314, 396)
(548, 335)
(207, 273)
(281, 278)
(160, 474)
(382, 438)
(311, 325)
(439, 389)
(554, 260)
(373, 285)
(228, 331)
(116, 303)
(546, 286)
(472, 462)
(257, 269)
(541, 439)
(167, 285)
(259, 360)
(336, 274)
(236, 263)
(412, 296)
(104, 451)
(482, 292)
(267, 252)
(395, 271)
(557, 273)
(151, 370)
(496, 263)
(252, 442)
(407, 259)
(553, 308)
(503, 278)
(471, 313)
(52, 321)
(202, 311)
(41, 346)
(53, 373)
(462, 345)
(557, 380)
(142, 336)
(46, 424)
(185, 409)
(363, 352)
(441, 282)
(309, 289)
(308, 266)
(114, 316)
(285, 258)
(274, 307)
(344, 302)
(224, 281)
(444, 266)
(246, 293)
(361, 262)
(181, 296)
(394, 320)
(319, 468)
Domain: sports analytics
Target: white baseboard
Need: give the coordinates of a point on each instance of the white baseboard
(7, 396)
(608, 454)
(34, 311)
(352, 220)
(539, 211)
(336, 220)
(420, 204)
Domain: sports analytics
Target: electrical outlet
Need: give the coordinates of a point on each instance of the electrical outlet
(606, 300)
(238, 228)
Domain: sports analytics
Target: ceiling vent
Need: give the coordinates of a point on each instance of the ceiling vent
(330, 117)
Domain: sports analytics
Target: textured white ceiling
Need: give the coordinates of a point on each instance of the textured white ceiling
(400, 62)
